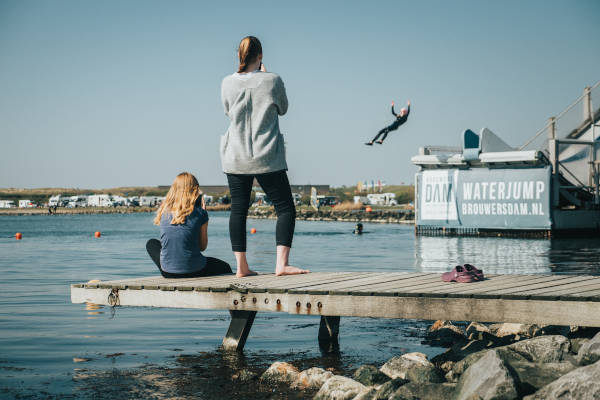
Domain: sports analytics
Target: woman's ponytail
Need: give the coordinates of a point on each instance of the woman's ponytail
(250, 48)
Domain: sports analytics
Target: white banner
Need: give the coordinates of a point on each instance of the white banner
(438, 195)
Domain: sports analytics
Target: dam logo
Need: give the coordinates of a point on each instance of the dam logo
(438, 195)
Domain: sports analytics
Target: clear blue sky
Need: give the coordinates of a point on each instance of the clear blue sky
(100, 94)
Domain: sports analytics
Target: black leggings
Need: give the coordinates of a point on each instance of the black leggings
(214, 266)
(277, 188)
(383, 132)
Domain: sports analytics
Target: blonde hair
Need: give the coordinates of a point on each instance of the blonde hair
(250, 48)
(181, 199)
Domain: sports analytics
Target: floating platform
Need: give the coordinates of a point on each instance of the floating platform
(541, 299)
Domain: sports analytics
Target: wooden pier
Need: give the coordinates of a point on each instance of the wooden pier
(541, 299)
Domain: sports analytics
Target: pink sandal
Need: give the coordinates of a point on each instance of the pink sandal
(458, 274)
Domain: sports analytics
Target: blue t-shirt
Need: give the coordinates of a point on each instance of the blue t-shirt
(180, 253)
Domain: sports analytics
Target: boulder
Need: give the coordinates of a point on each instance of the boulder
(312, 378)
(476, 327)
(589, 352)
(424, 391)
(551, 348)
(580, 384)
(367, 393)
(339, 388)
(488, 378)
(414, 367)
(576, 344)
(534, 376)
(444, 333)
(245, 375)
(280, 372)
(386, 390)
(461, 366)
(369, 375)
(516, 330)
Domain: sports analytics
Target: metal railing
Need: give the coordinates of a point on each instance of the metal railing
(572, 120)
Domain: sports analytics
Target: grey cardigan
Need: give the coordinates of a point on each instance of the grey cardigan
(253, 143)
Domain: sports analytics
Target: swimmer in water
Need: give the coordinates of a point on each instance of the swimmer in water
(358, 229)
(400, 119)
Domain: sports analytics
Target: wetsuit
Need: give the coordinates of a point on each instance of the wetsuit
(395, 125)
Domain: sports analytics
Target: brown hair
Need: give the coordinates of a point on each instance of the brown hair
(181, 199)
(250, 48)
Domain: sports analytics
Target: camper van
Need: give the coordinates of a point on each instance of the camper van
(99, 200)
(77, 201)
(58, 201)
(382, 199)
(7, 204)
(26, 204)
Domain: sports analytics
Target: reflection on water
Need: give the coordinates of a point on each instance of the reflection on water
(509, 255)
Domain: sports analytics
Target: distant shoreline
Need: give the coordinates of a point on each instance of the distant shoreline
(375, 216)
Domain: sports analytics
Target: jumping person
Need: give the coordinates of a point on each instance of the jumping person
(400, 119)
(183, 222)
(253, 147)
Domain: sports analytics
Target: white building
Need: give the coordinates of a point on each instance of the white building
(26, 204)
(150, 201)
(7, 204)
(56, 201)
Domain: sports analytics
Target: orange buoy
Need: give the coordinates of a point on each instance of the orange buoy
(18, 236)
(253, 231)
(97, 234)
(368, 209)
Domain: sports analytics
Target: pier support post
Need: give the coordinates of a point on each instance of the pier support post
(239, 328)
(329, 330)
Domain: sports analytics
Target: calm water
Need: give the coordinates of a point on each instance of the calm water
(144, 352)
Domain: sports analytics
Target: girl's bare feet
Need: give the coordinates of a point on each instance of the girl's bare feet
(242, 265)
(283, 267)
(289, 270)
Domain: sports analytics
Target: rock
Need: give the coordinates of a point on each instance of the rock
(576, 344)
(368, 393)
(589, 352)
(339, 388)
(460, 351)
(518, 330)
(245, 375)
(444, 333)
(312, 378)
(580, 384)
(461, 366)
(488, 378)
(280, 372)
(542, 348)
(534, 376)
(414, 367)
(388, 388)
(369, 375)
(424, 391)
(476, 327)
(586, 332)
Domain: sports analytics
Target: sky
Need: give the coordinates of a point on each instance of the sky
(100, 94)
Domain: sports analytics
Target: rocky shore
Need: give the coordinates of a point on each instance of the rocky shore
(498, 361)
(380, 216)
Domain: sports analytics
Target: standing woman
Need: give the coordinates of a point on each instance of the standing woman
(252, 148)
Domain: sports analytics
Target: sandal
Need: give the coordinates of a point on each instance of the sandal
(477, 273)
(458, 274)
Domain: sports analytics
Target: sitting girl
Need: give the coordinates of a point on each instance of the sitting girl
(183, 224)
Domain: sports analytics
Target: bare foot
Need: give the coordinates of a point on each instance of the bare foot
(248, 272)
(289, 270)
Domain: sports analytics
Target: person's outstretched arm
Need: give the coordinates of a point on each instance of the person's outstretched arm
(395, 115)
(407, 108)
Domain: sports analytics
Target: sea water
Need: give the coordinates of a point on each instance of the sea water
(52, 348)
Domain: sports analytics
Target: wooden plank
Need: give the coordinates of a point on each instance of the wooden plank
(485, 310)
(568, 288)
(510, 284)
(523, 289)
(283, 287)
(384, 286)
(488, 283)
(359, 281)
